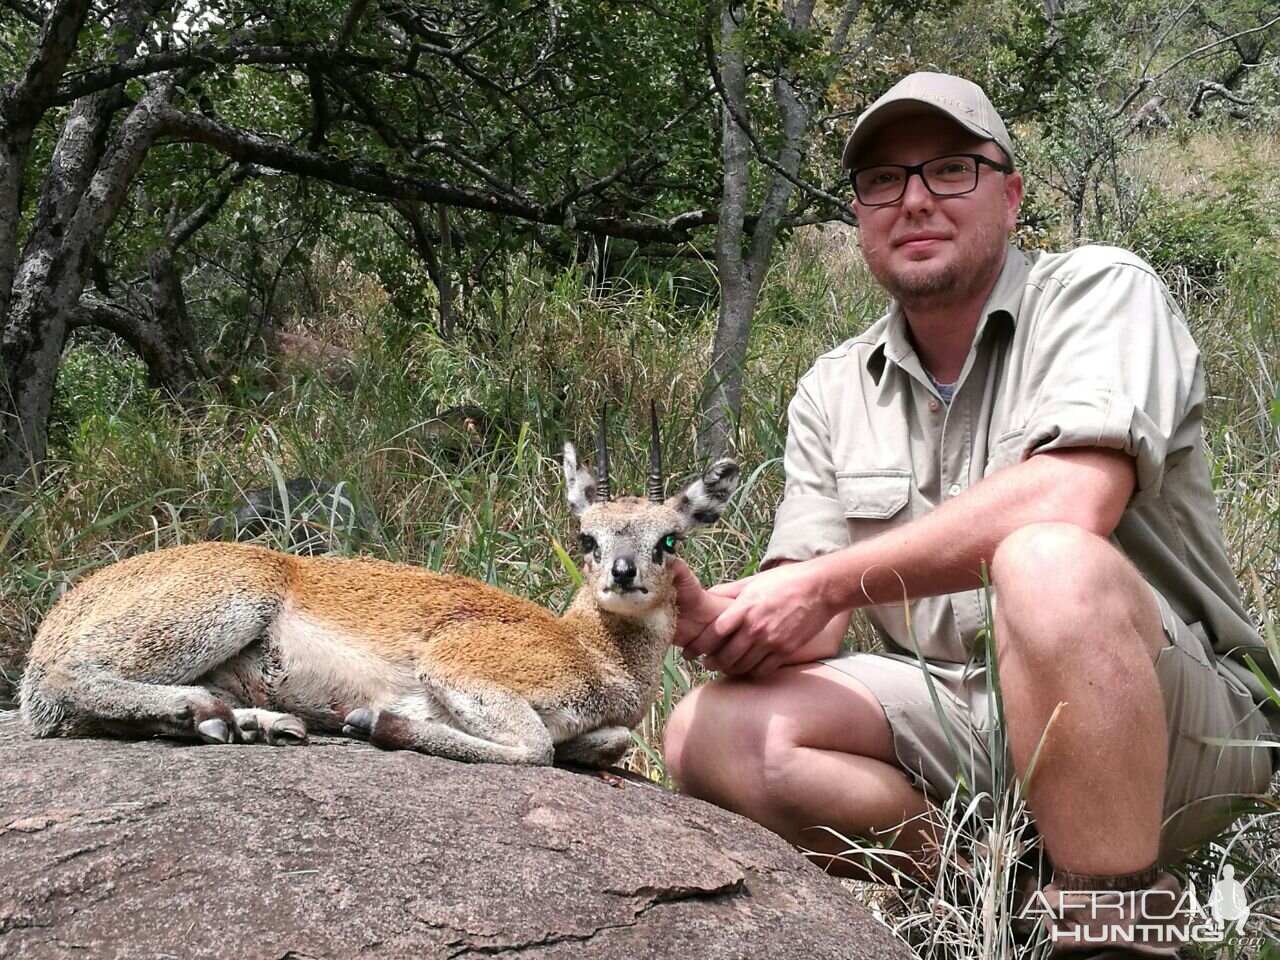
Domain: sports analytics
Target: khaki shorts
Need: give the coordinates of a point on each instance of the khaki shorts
(1204, 781)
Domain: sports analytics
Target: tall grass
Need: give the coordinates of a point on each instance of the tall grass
(132, 472)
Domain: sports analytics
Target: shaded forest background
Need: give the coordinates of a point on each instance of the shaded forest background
(408, 249)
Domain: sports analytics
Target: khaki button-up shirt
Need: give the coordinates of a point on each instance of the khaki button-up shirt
(1079, 349)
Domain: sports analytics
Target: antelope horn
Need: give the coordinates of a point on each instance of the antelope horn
(657, 487)
(602, 461)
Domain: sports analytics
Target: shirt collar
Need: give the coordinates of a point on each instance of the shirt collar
(894, 343)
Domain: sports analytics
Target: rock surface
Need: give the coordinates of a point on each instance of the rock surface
(156, 850)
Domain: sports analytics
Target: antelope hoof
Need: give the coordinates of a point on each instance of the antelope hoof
(215, 730)
(275, 729)
(358, 724)
(287, 732)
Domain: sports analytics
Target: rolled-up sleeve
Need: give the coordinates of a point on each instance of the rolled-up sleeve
(810, 521)
(1113, 366)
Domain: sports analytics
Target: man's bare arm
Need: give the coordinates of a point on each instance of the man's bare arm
(778, 611)
(943, 551)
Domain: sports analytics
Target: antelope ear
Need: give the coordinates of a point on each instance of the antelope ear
(579, 482)
(704, 500)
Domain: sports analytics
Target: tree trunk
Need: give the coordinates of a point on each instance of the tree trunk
(448, 317)
(27, 368)
(152, 336)
(23, 101)
(51, 276)
(721, 392)
(438, 263)
(742, 273)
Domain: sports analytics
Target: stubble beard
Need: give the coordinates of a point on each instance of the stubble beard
(924, 287)
(952, 282)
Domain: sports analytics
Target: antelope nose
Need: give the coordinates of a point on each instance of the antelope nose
(624, 570)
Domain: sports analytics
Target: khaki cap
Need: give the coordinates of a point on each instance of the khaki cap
(954, 97)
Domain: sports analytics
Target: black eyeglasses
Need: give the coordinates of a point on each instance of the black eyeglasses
(948, 176)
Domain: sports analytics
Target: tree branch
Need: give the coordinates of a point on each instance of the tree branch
(1209, 88)
(1145, 82)
(24, 99)
(393, 138)
(198, 218)
(459, 60)
(249, 147)
(88, 81)
(758, 148)
(632, 164)
(840, 35)
(351, 22)
(27, 11)
(93, 312)
(1160, 40)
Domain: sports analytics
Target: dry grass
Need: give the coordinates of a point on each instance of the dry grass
(1190, 165)
(16, 630)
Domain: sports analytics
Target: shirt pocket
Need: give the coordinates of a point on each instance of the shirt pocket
(1005, 452)
(873, 495)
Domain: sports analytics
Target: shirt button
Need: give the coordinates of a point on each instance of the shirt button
(954, 489)
(934, 405)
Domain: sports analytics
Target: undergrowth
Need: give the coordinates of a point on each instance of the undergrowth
(455, 446)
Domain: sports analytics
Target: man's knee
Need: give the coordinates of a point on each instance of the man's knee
(1052, 578)
(733, 742)
(1051, 558)
(675, 736)
(737, 742)
(715, 727)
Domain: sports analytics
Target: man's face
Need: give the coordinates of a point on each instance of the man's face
(928, 250)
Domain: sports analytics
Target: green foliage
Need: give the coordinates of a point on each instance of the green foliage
(1225, 233)
(1033, 64)
(96, 384)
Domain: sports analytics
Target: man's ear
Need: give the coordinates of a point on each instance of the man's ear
(579, 482)
(1013, 189)
(702, 501)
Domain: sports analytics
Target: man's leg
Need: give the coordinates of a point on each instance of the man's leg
(1077, 625)
(807, 748)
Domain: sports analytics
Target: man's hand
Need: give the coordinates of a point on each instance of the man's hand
(696, 607)
(771, 617)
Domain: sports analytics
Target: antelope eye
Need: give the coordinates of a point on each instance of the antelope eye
(666, 545)
(587, 543)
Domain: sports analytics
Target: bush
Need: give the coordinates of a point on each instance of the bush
(93, 379)
(1210, 237)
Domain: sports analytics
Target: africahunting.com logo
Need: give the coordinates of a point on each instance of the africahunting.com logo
(1155, 917)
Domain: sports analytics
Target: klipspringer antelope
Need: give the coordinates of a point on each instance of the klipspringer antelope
(227, 642)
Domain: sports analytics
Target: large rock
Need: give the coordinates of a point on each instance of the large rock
(159, 850)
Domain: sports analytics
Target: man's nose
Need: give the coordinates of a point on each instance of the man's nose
(916, 194)
(624, 570)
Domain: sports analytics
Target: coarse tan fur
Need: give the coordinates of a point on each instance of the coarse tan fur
(224, 642)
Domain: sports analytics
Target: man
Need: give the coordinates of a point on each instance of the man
(1034, 415)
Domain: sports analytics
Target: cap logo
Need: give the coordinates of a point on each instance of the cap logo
(948, 100)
